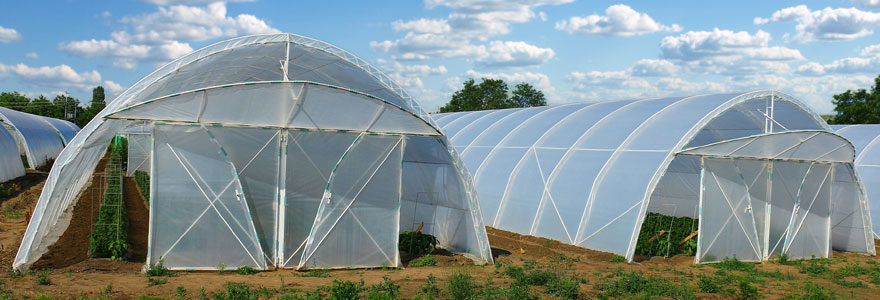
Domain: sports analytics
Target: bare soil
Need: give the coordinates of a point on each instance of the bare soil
(91, 277)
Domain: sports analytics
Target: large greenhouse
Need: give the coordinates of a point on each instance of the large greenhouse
(36, 138)
(760, 170)
(275, 151)
(866, 140)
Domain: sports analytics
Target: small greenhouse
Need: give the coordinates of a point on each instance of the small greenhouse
(11, 166)
(36, 137)
(866, 140)
(274, 151)
(760, 170)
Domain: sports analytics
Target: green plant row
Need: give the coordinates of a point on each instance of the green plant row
(109, 238)
(143, 182)
(668, 243)
(416, 243)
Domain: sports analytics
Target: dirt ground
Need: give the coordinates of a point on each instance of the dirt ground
(91, 277)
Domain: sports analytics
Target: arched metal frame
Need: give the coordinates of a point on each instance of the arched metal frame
(484, 141)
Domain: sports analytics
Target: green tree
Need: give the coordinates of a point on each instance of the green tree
(527, 96)
(492, 94)
(98, 102)
(858, 107)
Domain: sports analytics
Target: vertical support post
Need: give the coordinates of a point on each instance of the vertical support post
(699, 254)
(282, 199)
(768, 210)
(151, 201)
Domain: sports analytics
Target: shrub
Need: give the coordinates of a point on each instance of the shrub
(733, 264)
(564, 288)
(635, 284)
(346, 290)
(416, 243)
(236, 291)
(668, 243)
(461, 286)
(318, 273)
(813, 267)
(384, 290)
(424, 261)
(221, 268)
(519, 290)
(181, 292)
(159, 269)
(246, 270)
(430, 288)
(746, 291)
(707, 284)
(157, 281)
(43, 277)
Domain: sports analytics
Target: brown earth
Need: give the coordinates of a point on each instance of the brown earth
(138, 220)
(73, 245)
(91, 277)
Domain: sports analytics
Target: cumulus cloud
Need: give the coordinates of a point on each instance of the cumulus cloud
(867, 3)
(9, 35)
(538, 80)
(58, 77)
(169, 2)
(513, 54)
(653, 67)
(113, 88)
(828, 24)
(164, 35)
(31, 55)
(869, 63)
(727, 52)
(463, 32)
(619, 20)
(873, 50)
(409, 75)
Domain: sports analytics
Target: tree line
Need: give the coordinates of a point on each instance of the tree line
(62, 107)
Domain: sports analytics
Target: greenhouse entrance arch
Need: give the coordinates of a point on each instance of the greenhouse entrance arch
(771, 194)
(273, 151)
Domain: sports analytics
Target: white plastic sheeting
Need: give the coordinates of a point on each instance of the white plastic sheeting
(40, 140)
(277, 124)
(11, 165)
(587, 174)
(64, 128)
(866, 140)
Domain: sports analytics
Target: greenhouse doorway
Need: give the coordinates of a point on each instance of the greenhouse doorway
(770, 195)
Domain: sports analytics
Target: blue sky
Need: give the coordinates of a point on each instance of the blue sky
(572, 50)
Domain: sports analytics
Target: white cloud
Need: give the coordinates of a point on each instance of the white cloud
(169, 2)
(653, 67)
(543, 16)
(455, 35)
(727, 52)
(58, 77)
(9, 35)
(513, 54)
(867, 3)
(164, 35)
(827, 24)
(868, 63)
(435, 26)
(619, 20)
(538, 80)
(113, 88)
(873, 50)
(31, 55)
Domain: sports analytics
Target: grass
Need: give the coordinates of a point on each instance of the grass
(618, 259)
(317, 273)
(246, 270)
(157, 280)
(423, 261)
(43, 277)
(637, 285)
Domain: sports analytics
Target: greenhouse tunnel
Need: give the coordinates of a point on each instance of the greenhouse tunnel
(273, 151)
(589, 174)
(39, 139)
(865, 139)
